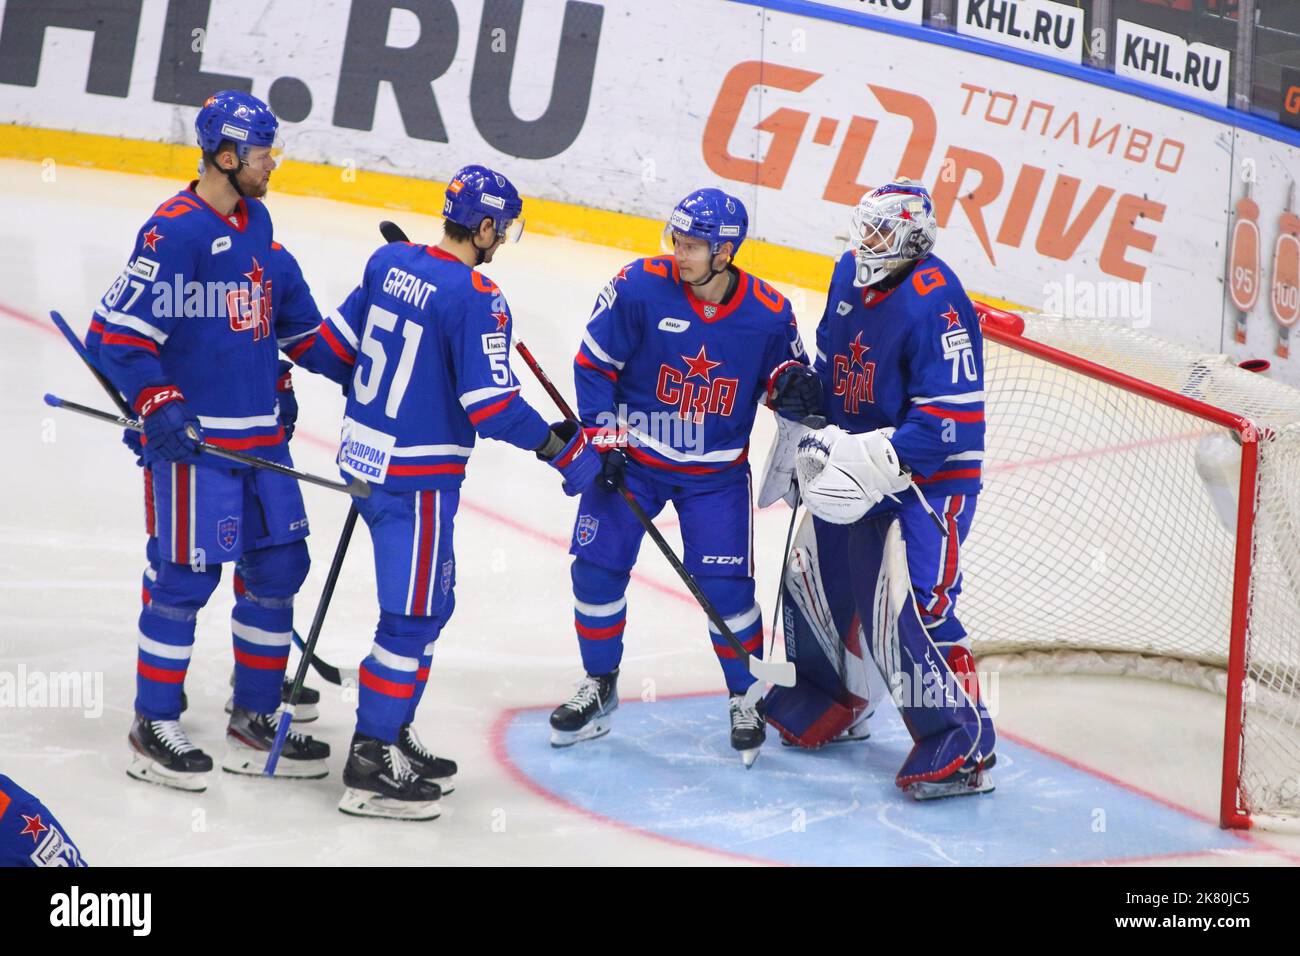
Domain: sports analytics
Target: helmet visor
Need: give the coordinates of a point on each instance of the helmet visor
(511, 230)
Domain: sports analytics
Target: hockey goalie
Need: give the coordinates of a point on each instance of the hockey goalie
(890, 483)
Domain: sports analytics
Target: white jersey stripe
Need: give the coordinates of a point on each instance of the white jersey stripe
(600, 353)
(720, 455)
(340, 325)
(139, 325)
(959, 398)
(482, 394)
(248, 421)
(419, 451)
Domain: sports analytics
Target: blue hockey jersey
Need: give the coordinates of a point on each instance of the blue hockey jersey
(423, 345)
(29, 834)
(196, 307)
(911, 358)
(684, 377)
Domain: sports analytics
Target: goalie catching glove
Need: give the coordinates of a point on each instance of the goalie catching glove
(842, 476)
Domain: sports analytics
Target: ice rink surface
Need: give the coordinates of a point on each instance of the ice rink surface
(1094, 770)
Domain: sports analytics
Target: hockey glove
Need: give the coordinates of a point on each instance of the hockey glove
(567, 451)
(795, 392)
(612, 465)
(288, 401)
(131, 439)
(171, 430)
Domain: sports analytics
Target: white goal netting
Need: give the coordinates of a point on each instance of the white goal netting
(1105, 540)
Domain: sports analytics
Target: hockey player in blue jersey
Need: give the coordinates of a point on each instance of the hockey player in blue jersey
(294, 316)
(900, 362)
(29, 834)
(423, 344)
(189, 337)
(680, 351)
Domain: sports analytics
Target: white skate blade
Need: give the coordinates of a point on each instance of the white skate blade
(150, 771)
(302, 714)
(596, 727)
(365, 803)
(243, 759)
(749, 756)
(965, 786)
(445, 784)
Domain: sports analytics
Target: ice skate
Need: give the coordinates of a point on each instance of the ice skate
(250, 737)
(748, 729)
(426, 766)
(380, 783)
(586, 715)
(163, 754)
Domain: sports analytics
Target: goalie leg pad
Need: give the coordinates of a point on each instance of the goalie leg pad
(945, 723)
(822, 639)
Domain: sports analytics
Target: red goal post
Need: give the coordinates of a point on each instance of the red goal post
(1103, 440)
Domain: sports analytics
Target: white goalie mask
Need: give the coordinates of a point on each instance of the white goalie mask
(893, 225)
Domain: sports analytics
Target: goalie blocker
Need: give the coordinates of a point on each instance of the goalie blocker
(848, 596)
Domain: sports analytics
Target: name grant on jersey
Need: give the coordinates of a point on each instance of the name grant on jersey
(409, 288)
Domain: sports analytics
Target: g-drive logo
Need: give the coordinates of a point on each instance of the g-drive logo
(74, 909)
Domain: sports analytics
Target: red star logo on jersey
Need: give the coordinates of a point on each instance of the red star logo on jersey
(150, 239)
(502, 319)
(254, 274)
(700, 365)
(622, 273)
(953, 318)
(859, 350)
(34, 828)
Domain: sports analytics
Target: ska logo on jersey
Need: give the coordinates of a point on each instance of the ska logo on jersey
(228, 532)
(696, 391)
(854, 376)
(150, 239)
(249, 304)
(586, 529)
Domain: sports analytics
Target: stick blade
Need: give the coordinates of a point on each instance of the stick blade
(774, 672)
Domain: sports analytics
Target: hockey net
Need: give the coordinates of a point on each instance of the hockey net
(1113, 537)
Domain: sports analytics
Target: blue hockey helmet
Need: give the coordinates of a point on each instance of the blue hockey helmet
(712, 215)
(236, 116)
(476, 193)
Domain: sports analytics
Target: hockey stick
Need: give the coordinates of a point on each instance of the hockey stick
(355, 487)
(775, 672)
(327, 671)
(286, 712)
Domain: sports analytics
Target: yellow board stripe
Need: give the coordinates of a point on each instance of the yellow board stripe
(778, 264)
